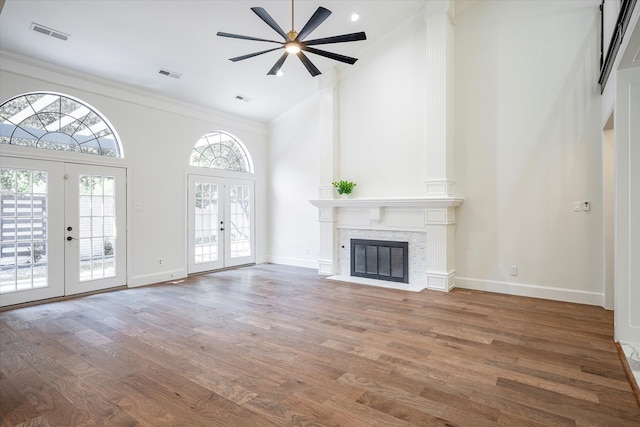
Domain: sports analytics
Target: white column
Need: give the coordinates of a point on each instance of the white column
(328, 132)
(440, 228)
(439, 75)
(327, 257)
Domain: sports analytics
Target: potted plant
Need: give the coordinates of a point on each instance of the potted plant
(344, 187)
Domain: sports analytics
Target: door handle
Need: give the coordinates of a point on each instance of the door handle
(221, 229)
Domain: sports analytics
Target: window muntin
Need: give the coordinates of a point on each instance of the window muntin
(206, 222)
(240, 221)
(97, 227)
(57, 122)
(23, 226)
(220, 150)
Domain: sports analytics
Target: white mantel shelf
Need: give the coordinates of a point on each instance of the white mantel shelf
(411, 202)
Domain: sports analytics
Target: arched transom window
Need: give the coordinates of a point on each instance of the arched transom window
(220, 150)
(57, 122)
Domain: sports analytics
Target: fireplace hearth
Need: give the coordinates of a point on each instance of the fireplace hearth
(380, 260)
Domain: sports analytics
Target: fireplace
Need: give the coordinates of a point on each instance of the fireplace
(380, 259)
(427, 224)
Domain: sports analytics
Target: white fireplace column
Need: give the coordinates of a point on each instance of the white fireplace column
(327, 255)
(441, 237)
(439, 78)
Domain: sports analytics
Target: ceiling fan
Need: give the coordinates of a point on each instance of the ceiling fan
(294, 41)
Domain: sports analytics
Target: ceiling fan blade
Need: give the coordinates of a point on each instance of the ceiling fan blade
(318, 18)
(336, 56)
(251, 55)
(353, 37)
(312, 69)
(276, 67)
(238, 36)
(269, 21)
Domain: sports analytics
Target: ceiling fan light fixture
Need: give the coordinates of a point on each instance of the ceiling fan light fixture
(293, 47)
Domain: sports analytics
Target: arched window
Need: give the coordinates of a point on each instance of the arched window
(57, 122)
(220, 150)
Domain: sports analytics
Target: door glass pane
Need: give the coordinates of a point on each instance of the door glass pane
(240, 225)
(97, 227)
(206, 223)
(23, 229)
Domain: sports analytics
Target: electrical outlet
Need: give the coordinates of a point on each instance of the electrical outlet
(514, 270)
(159, 261)
(586, 206)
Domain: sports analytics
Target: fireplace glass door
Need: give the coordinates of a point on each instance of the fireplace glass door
(381, 260)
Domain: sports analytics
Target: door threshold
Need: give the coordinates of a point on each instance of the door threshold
(61, 298)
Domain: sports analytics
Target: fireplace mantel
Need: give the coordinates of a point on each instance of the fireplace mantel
(427, 223)
(408, 202)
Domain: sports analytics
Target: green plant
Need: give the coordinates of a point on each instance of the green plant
(108, 248)
(344, 187)
(37, 252)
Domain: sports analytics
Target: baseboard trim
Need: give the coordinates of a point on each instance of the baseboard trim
(534, 291)
(294, 262)
(150, 279)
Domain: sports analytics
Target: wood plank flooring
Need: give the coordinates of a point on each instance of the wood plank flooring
(272, 345)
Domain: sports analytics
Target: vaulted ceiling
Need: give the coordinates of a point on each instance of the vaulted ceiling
(130, 41)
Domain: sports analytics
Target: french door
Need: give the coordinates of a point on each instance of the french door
(220, 224)
(63, 229)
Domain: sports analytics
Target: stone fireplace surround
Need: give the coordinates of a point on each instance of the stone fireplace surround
(427, 224)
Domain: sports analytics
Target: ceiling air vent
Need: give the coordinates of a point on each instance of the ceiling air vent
(49, 32)
(170, 74)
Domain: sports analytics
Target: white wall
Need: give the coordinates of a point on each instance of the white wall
(157, 136)
(294, 173)
(382, 112)
(380, 127)
(528, 144)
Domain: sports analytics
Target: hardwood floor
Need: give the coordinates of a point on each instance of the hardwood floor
(273, 345)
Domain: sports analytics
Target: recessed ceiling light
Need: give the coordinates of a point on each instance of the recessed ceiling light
(280, 73)
(355, 16)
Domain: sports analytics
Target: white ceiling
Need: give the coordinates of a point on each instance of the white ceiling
(129, 41)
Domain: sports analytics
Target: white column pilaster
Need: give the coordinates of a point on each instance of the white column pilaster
(439, 75)
(327, 257)
(328, 132)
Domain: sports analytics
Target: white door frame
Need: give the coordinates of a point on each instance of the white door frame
(54, 230)
(73, 282)
(225, 258)
(28, 158)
